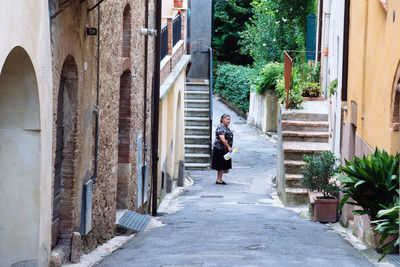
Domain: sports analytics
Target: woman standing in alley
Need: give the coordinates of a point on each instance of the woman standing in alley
(222, 145)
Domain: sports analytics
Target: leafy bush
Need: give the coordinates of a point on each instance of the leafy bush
(233, 83)
(371, 182)
(268, 76)
(295, 95)
(309, 89)
(318, 171)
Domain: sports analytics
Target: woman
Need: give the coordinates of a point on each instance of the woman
(222, 145)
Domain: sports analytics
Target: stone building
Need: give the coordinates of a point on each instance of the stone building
(76, 84)
(25, 133)
(102, 82)
(174, 62)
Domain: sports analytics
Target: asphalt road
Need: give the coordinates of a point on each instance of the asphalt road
(237, 224)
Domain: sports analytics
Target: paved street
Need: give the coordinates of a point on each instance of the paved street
(237, 224)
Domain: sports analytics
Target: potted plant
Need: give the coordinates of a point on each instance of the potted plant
(317, 176)
(371, 183)
(386, 229)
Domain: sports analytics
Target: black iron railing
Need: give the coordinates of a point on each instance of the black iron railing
(176, 29)
(164, 41)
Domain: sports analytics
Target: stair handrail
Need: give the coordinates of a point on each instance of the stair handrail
(210, 81)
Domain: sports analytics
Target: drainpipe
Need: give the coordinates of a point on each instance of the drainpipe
(146, 55)
(345, 49)
(327, 11)
(96, 142)
(156, 108)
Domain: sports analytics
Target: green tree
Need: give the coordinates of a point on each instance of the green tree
(276, 25)
(230, 17)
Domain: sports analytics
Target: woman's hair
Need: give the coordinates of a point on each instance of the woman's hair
(224, 116)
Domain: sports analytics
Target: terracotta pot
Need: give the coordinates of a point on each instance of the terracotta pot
(377, 238)
(325, 209)
(178, 3)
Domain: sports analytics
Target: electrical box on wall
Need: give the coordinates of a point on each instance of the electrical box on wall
(87, 201)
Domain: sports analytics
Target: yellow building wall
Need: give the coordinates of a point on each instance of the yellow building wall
(171, 131)
(374, 56)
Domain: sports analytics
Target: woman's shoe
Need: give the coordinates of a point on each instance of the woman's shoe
(223, 182)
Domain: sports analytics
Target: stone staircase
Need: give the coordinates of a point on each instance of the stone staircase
(301, 133)
(197, 125)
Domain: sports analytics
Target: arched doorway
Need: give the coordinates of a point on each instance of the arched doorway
(65, 153)
(19, 159)
(178, 141)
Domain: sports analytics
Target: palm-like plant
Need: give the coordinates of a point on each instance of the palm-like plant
(371, 182)
(387, 225)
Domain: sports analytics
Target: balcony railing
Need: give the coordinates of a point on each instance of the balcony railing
(164, 41)
(176, 29)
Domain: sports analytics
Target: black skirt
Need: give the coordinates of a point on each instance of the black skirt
(218, 161)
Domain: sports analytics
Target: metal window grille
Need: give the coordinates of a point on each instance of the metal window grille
(176, 29)
(164, 41)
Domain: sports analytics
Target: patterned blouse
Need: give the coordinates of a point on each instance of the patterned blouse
(223, 130)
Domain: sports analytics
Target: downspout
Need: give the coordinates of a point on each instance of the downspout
(327, 12)
(146, 55)
(96, 142)
(364, 60)
(156, 109)
(345, 49)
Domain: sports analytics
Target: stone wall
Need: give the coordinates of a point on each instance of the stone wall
(122, 51)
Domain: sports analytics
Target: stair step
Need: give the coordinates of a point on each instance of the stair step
(197, 121)
(200, 92)
(198, 112)
(197, 101)
(197, 149)
(197, 137)
(296, 191)
(304, 147)
(203, 94)
(293, 177)
(299, 136)
(201, 83)
(301, 116)
(296, 150)
(197, 166)
(296, 196)
(305, 126)
(293, 180)
(197, 158)
(197, 127)
(198, 109)
(293, 166)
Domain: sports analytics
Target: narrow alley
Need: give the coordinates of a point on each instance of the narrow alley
(236, 224)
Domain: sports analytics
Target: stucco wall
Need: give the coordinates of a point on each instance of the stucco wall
(200, 38)
(25, 24)
(263, 111)
(374, 56)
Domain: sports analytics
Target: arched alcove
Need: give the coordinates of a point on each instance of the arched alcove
(19, 159)
(65, 155)
(124, 140)
(395, 103)
(178, 138)
(126, 32)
